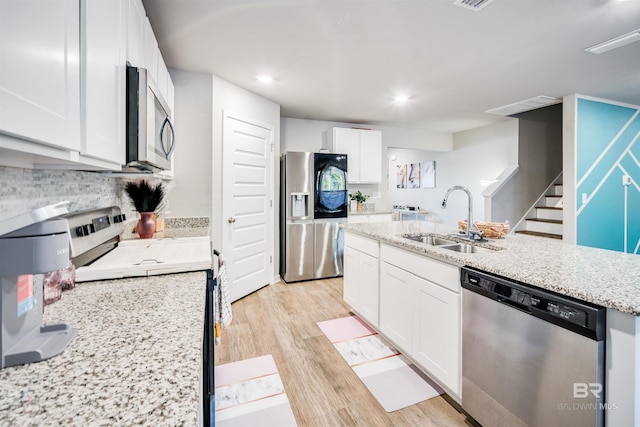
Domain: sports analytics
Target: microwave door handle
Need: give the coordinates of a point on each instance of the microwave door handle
(166, 122)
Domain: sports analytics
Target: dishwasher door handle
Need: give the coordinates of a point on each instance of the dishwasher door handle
(513, 304)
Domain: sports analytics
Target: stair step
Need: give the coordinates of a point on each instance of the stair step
(535, 233)
(556, 190)
(552, 226)
(550, 221)
(553, 201)
(544, 212)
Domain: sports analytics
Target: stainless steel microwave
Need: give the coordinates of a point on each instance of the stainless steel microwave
(151, 137)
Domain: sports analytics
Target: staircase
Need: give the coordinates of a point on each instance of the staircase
(545, 219)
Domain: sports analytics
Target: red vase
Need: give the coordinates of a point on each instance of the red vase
(146, 225)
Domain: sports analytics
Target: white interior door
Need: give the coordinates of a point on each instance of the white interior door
(247, 197)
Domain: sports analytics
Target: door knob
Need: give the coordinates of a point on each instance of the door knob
(231, 220)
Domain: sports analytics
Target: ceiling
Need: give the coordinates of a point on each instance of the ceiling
(344, 60)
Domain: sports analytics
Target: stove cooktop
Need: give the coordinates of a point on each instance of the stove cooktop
(149, 257)
(98, 253)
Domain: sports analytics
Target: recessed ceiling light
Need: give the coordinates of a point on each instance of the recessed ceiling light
(401, 98)
(615, 43)
(265, 79)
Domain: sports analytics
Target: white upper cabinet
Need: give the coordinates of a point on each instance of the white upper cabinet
(364, 153)
(150, 50)
(370, 156)
(135, 34)
(104, 46)
(63, 80)
(40, 71)
(143, 51)
(347, 141)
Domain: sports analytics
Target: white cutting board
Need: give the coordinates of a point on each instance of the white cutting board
(148, 257)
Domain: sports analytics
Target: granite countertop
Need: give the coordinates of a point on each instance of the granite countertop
(363, 212)
(173, 228)
(136, 359)
(599, 276)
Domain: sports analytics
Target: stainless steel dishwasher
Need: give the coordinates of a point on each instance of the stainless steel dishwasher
(529, 356)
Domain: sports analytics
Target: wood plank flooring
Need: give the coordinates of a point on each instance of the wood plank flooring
(280, 320)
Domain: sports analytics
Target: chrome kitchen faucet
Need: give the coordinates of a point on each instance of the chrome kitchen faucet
(472, 231)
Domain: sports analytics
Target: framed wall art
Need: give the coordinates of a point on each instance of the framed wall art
(414, 175)
(428, 174)
(401, 176)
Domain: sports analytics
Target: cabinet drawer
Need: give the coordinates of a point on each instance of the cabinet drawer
(363, 244)
(443, 274)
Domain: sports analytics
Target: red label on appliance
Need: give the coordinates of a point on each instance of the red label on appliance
(25, 293)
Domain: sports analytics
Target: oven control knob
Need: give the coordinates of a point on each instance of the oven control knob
(119, 218)
(83, 230)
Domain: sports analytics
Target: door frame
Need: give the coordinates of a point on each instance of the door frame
(269, 222)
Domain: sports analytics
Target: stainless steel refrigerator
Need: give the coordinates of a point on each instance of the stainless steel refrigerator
(314, 202)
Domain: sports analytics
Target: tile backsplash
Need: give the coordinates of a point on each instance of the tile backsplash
(22, 190)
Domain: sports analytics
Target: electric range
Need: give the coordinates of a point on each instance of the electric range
(98, 253)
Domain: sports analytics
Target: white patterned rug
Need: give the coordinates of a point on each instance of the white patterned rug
(250, 393)
(392, 379)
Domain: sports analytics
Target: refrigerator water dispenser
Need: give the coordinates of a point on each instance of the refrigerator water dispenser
(299, 205)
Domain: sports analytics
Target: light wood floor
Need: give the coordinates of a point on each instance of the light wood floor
(280, 320)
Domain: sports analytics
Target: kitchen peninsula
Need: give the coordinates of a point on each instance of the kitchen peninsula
(602, 277)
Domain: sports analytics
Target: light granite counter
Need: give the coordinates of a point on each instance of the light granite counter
(136, 359)
(607, 278)
(363, 212)
(173, 228)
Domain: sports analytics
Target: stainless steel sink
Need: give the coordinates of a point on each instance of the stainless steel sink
(430, 240)
(452, 245)
(466, 248)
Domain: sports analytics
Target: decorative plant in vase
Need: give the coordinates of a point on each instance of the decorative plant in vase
(145, 198)
(359, 198)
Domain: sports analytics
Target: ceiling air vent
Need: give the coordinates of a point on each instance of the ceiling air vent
(472, 4)
(526, 105)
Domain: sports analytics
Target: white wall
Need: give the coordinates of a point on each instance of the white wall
(569, 168)
(190, 192)
(477, 155)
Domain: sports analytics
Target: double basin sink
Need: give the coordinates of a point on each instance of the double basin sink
(452, 245)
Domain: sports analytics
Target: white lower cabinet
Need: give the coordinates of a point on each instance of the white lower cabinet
(413, 300)
(397, 288)
(361, 277)
(436, 332)
(420, 312)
